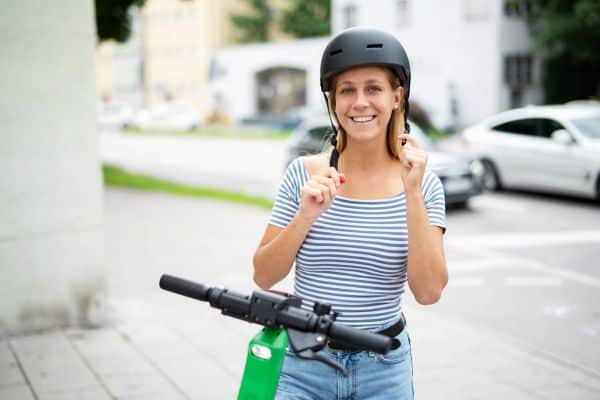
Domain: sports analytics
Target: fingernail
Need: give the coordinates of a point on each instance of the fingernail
(342, 179)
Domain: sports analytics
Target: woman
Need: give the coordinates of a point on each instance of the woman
(345, 217)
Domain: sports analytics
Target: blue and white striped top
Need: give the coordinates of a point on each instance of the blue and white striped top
(355, 254)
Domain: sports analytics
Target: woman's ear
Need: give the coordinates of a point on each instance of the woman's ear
(399, 97)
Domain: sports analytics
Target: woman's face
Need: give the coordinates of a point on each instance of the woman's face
(364, 100)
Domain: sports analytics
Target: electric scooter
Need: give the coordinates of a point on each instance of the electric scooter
(286, 325)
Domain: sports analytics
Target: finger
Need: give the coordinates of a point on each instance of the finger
(335, 176)
(405, 138)
(326, 193)
(314, 193)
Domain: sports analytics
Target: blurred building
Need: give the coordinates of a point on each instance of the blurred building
(469, 59)
(168, 55)
(120, 67)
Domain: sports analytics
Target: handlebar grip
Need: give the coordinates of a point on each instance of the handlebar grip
(365, 340)
(184, 287)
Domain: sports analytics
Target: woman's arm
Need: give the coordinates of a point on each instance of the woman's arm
(277, 250)
(427, 272)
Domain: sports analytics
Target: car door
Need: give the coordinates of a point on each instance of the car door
(513, 144)
(563, 165)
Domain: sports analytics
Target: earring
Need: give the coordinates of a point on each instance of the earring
(395, 106)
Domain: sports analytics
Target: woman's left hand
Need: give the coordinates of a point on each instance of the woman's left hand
(414, 161)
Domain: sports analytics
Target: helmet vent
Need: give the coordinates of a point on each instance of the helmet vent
(334, 52)
(375, 46)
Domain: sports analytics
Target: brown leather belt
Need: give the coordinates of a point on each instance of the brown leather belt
(392, 331)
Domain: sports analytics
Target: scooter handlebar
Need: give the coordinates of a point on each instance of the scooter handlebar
(184, 287)
(366, 340)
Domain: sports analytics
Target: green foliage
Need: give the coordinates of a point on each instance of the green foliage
(253, 27)
(568, 34)
(113, 20)
(307, 18)
(115, 176)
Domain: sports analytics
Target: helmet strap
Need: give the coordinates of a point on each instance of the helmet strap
(335, 155)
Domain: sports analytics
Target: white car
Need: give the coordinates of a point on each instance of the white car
(540, 148)
(114, 115)
(169, 116)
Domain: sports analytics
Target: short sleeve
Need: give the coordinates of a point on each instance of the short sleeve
(287, 201)
(435, 200)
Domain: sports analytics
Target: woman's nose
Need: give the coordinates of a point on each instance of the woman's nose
(360, 100)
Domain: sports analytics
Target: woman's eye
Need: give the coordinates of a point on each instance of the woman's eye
(374, 89)
(346, 90)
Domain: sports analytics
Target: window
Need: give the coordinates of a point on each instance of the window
(350, 16)
(589, 127)
(517, 8)
(518, 69)
(537, 127)
(527, 127)
(402, 10)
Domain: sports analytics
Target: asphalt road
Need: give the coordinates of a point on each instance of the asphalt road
(527, 267)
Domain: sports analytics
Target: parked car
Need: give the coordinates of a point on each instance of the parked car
(169, 116)
(540, 148)
(113, 114)
(461, 177)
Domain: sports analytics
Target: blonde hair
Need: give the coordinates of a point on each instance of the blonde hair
(395, 125)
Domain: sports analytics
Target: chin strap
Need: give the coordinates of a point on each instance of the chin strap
(335, 154)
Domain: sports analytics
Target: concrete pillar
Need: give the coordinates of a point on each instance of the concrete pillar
(51, 233)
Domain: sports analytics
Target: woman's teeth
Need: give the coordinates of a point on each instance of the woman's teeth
(363, 119)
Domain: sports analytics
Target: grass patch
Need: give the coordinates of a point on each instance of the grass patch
(437, 134)
(217, 132)
(115, 176)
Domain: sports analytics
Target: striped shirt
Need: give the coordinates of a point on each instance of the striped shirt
(355, 254)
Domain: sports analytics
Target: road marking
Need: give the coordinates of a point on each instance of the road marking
(525, 240)
(497, 203)
(534, 265)
(532, 281)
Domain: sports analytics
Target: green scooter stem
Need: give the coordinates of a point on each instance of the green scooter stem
(266, 352)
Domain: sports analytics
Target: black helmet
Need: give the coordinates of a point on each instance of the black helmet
(360, 46)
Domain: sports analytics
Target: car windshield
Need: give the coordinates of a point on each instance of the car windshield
(589, 127)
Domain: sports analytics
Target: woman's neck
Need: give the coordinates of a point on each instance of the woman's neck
(365, 157)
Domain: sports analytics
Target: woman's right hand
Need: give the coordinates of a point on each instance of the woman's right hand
(318, 194)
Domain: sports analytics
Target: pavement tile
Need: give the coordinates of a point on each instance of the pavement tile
(52, 365)
(10, 373)
(16, 392)
(132, 386)
(83, 394)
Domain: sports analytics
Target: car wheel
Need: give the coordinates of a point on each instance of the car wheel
(491, 179)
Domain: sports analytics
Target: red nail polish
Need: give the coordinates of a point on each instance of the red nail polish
(342, 179)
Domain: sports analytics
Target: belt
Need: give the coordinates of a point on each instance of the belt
(392, 332)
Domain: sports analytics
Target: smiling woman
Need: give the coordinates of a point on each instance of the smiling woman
(343, 217)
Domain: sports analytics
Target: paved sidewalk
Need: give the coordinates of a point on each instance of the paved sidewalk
(163, 346)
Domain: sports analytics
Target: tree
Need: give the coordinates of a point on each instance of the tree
(113, 20)
(568, 34)
(254, 27)
(307, 18)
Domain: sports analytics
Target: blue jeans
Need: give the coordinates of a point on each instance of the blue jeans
(370, 376)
